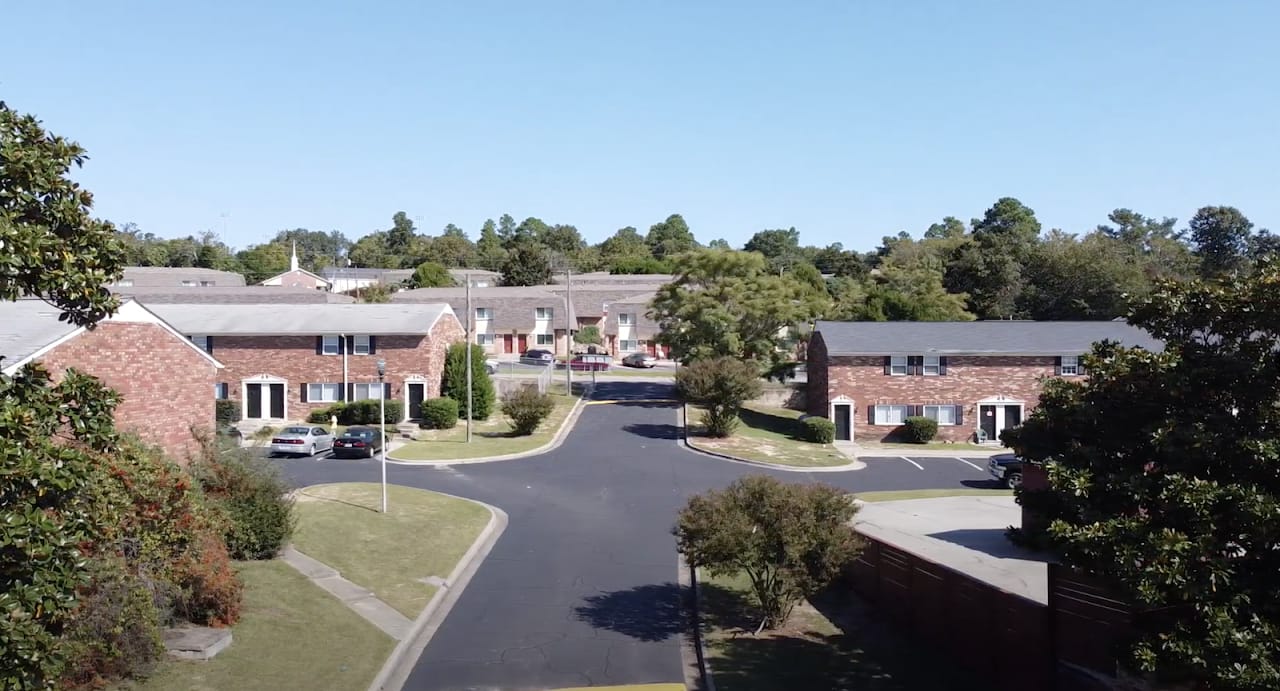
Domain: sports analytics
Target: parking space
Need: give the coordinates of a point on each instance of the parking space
(920, 472)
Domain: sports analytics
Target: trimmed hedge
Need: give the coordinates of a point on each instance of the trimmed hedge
(818, 430)
(357, 413)
(439, 413)
(920, 430)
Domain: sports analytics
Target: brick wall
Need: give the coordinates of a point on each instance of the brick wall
(298, 279)
(294, 359)
(166, 386)
(968, 380)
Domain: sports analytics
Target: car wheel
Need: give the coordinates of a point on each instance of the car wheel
(1013, 480)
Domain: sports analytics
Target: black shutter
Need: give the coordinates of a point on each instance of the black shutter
(373, 345)
(1057, 366)
(319, 345)
(888, 365)
(871, 415)
(915, 410)
(959, 415)
(351, 391)
(942, 365)
(916, 365)
(386, 391)
(302, 395)
(208, 344)
(350, 344)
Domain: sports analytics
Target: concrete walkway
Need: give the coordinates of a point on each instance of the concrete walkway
(358, 598)
(963, 451)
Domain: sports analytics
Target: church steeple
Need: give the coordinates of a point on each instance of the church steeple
(293, 260)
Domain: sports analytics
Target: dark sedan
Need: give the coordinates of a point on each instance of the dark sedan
(1007, 468)
(537, 356)
(358, 442)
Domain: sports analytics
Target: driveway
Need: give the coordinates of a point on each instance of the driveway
(581, 588)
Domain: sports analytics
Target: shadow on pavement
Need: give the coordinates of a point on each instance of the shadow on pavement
(991, 541)
(646, 612)
(654, 431)
(982, 484)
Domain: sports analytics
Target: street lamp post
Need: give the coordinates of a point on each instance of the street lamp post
(382, 425)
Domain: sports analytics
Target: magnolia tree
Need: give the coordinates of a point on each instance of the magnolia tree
(1164, 472)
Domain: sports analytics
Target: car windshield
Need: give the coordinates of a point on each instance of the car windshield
(297, 430)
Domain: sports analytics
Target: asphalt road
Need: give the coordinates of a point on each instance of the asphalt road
(581, 588)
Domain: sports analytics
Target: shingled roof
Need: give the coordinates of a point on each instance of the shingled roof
(514, 307)
(230, 295)
(303, 320)
(978, 337)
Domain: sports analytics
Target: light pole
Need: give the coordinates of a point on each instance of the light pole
(382, 425)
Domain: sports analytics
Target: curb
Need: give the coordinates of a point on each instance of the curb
(693, 649)
(565, 427)
(688, 445)
(395, 671)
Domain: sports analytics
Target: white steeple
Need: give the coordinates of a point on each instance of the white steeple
(293, 260)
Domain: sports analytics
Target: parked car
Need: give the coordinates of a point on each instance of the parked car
(1007, 469)
(302, 440)
(358, 442)
(491, 366)
(640, 360)
(537, 356)
(589, 363)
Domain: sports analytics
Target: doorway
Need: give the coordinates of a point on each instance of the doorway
(416, 392)
(842, 415)
(508, 343)
(524, 343)
(260, 398)
(995, 417)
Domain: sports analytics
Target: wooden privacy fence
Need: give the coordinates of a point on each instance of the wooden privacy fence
(1015, 643)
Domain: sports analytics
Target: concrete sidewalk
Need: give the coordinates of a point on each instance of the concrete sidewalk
(857, 450)
(358, 598)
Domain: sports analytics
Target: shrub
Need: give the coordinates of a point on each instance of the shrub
(252, 493)
(439, 413)
(210, 589)
(363, 412)
(114, 630)
(227, 413)
(453, 384)
(790, 540)
(818, 430)
(324, 416)
(920, 430)
(721, 385)
(526, 409)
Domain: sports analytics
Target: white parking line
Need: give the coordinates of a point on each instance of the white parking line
(908, 460)
(971, 465)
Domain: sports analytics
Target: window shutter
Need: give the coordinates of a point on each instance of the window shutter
(942, 365)
(888, 369)
(351, 391)
(209, 344)
(1057, 366)
(1080, 365)
(319, 345)
(871, 415)
(350, 344)
(373, 345)
(959, 415)
(915, 410)
(302, 396)
(915, 364)
(386, 391)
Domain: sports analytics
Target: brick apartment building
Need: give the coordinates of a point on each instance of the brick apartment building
(975, 378)
(284, 361)
(506, 320)
(164, 381)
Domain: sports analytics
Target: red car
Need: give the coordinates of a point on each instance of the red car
(590, 363)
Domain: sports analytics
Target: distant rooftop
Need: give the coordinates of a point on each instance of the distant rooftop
(302, 320)
(244, 295)
(146, 276)
(978, 337)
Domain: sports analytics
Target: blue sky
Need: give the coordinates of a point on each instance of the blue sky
(849, 120)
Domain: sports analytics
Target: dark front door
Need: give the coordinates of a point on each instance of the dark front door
(987, 413)
(253, 401)
(277, 401)
(417, 392)
(842, 418)
(1012, 416)
(507, 341)
(524, 343)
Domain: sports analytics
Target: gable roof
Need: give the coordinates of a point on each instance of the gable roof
(175, 275)
(29, 328)
(304, 320)
(229, 295)
(978, 338)
(590, 301)
(513, 306)
(279, 278)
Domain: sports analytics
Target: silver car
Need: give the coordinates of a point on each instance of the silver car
(302, 440)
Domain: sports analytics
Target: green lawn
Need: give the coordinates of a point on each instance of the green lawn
(836, 643)
(490, 437)
(292, 635)
(423, 534)
(898, 495)
(766, 435)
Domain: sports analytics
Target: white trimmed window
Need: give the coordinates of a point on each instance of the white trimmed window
(943, 414)
(323, 393)
(628, 345)
(1070, 366)
(202, 342)
(891, 414)
(329, 346)
(545, 339)
(188, 284)
(360, 345)
(544, 313)
(364, 392)
(626, 319)
(483, 313)
(484, 339)
(932, 366)
(898, 365)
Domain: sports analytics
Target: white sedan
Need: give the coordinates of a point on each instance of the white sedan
(302, 440)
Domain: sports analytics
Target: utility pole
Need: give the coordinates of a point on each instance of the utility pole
(568, 335)
(470, 315)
